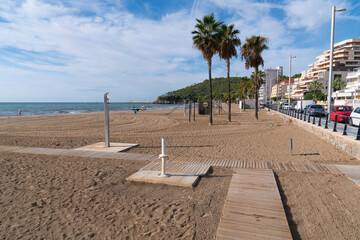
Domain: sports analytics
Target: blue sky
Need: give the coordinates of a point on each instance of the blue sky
(53, 50)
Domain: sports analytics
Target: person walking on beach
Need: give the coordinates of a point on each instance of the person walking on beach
(19, 112)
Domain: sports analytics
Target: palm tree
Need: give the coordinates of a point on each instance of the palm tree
(260, 77)
(338, 83)
(206, 38)
(246, 89)
(227, 49)
(251, 52)
(315, 86)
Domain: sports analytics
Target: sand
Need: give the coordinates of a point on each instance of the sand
(73, 197)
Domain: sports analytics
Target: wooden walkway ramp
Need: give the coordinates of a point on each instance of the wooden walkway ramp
(253, 208)
(81, 153)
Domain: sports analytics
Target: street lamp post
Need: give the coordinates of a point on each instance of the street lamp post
(290, 57)
(333, 10)
(277, 88)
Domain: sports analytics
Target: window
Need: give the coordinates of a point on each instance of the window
(344, 109)
(316, 106)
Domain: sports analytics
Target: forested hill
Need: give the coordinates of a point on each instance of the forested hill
(200, 91)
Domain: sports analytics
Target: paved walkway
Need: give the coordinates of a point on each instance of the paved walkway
(253, 208)
(81, 153)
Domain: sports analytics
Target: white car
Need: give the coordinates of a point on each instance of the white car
(355, 117)
(286, 106)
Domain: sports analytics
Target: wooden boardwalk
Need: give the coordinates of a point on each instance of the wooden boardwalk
(253, 208)
(197, 166)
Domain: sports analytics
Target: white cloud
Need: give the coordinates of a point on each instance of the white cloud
(113, 47)
(310, 14)
(85, 49)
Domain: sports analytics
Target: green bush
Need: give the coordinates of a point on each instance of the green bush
(309, 96)
(321, 97)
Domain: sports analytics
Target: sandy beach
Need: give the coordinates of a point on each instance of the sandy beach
(63, 197)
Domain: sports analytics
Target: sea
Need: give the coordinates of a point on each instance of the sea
(44, 108)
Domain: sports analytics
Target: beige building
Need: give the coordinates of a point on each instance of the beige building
(346, 58)
(274, 90)
(283, 89)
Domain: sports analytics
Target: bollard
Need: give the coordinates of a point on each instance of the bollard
(301, 116)
(163, 157)
(345, 127)
(194, 111)
(319, 121)
(184, 108)
(314, 119)
(358, 133)
(334, 129)
(291, 146)
(309, 118)
(189, 111)
(326, 121)
(298, 114)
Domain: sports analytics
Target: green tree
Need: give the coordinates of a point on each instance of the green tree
(251, 52)
(315, 86)
(227, 49)
(298, 75)
(206, 39)
(245, 89)
(338, 83)
(309, 96)
(261, 76)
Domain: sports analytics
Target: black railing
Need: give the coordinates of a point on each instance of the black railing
(323, 119)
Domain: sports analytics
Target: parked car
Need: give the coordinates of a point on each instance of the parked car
(286, 106)
(355, 117)
(315, 110)
(342, 113)
(302, 104)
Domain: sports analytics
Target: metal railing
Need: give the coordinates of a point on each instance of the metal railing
(322, 119)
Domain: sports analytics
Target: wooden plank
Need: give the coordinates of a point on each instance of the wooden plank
(253, 208)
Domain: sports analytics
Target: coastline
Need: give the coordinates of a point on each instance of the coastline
(48, 108)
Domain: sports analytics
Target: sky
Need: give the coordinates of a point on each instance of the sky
(75, 51)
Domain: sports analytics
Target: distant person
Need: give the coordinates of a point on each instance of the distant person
(19, 112)
(135, 109)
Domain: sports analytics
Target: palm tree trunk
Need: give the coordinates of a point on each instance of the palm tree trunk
(256, 94)
(210, 87)
(228, 77)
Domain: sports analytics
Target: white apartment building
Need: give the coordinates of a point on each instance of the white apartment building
(269, 81)
(351, 94)
(346, 58)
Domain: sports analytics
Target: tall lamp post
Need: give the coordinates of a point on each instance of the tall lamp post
(290, 57)
(277, 89)
(333, 10)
